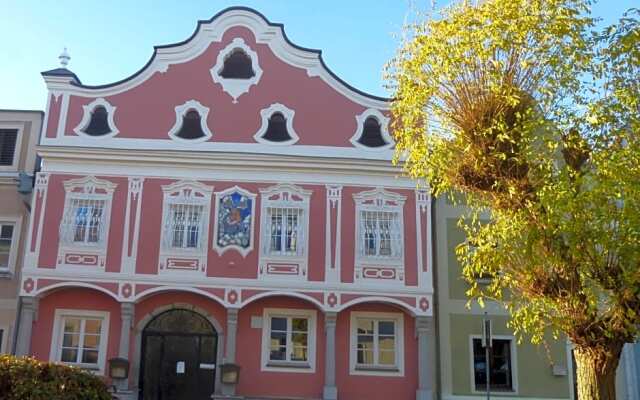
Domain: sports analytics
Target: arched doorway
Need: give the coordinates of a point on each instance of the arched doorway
(179, 349)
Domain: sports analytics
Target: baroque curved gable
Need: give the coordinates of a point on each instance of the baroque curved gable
(213, 30)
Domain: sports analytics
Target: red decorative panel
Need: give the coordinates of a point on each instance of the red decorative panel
(283, 269)
(183, 264)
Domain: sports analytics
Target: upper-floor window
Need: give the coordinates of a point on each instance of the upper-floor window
(85, 220)
(379, 229)
(285, 218)
(237, 65)
(8, 141)
(372, 131)
(277, 126)
(501, 362)
(186, 216)
(236, 68)
(7, 243)
(191, 122)
(97, 120)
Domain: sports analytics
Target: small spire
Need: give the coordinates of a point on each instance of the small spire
(64, 58)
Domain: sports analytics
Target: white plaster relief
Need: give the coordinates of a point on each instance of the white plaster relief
(236, 87)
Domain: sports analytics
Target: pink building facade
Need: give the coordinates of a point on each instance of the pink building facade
(232, 203)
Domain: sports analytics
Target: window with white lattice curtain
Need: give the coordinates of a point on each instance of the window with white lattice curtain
(285, 229)
(184, 226)
(381, 234)
(379, 227)
(185, 219)
(284, 222)
(84, 220)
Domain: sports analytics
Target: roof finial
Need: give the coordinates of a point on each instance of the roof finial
(64, 58)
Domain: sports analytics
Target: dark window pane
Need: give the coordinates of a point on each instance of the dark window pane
(500, 365)
(278, 324)
(300, 324)
(386, 327)
(237, 66)
(90, 356)
(8, 139)
(98, 125)
(277, 129)
(372, 134)
(191, 126)
(69, 355)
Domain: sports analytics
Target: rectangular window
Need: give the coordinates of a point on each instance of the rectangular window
(84, 221)
(81, 338)
(8, 140)
(500, 365)
(6, 239)
(184, 226)
(380, 234)
(285, 230)
(288, 340)
(2, 341)
(376, 343)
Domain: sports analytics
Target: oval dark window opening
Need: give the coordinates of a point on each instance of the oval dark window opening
(372, 134)
(99, 124)
(277, 129)
(237, 66)
(191, 126)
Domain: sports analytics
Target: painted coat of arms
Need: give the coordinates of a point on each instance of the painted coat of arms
(235, 214)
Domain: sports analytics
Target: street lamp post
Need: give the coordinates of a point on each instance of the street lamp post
(486, 343)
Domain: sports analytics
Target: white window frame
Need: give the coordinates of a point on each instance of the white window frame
(236, 87)
(265, 115)
(187, 193)
(15, 239)
(181, 111)
(18, 149)
(514, 366)
(87, 188)
(58, 327)
(379, 200)
(384, 130)
(86, 119)
(4, 339)
(398, 369)
(289, 366)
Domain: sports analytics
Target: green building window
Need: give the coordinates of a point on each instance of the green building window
(500, 366)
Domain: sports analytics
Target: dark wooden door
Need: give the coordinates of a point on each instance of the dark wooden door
(179, 350)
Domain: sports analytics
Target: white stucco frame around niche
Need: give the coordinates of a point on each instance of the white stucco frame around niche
(181, 111)
(236, 87)
(384, 130)
(266, 114)
(218, 197)
(86, 119)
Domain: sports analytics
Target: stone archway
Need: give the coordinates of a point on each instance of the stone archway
(148, 320)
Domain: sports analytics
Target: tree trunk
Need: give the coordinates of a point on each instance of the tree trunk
(596, 372)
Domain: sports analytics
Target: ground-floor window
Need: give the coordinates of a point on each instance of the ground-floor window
(3, 340)
(289, 339)
(500, 365)
(80, 338)
(377, 343)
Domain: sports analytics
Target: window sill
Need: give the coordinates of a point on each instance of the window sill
(285, 364)
(377, 369)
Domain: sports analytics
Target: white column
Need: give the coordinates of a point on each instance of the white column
(425, 359)
(126, 318)
(232, 329)
(28, 311)
(330, 391)
(334, 202)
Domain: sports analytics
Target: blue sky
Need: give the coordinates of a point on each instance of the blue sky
(110, 40)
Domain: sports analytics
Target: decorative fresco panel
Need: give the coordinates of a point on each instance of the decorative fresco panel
(235, 215)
